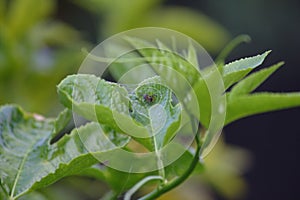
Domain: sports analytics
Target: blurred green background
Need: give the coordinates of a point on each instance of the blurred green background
(41, 41)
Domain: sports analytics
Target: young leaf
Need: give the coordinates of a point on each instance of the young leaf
(251, 82)
(98, 100)
(235, 71)
(192, 56)
(246, 105)
(29, 161)
(110, 104)
(161, 58)
(152, 107)
(187, 76)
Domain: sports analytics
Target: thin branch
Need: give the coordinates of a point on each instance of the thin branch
(171, 185)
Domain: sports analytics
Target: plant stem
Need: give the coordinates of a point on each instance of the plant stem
(139, 185)
(229, 47)
(161, 169)
(169, 186)
(109, 195)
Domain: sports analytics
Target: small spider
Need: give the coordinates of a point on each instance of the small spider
(149, 98)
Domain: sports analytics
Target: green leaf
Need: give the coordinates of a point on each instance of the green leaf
(192, 56)
(34, 196)
(152, 107)
(132, 72)
(251, 82)
(101, 101)
(235, 71)
(178, 167)
(246, 105)
(29, 161)
(181, 74)
(120, 182)
(161, 58)
(110, 104)
(98, 100)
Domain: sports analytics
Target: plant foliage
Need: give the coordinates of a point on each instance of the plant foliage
(122, 114)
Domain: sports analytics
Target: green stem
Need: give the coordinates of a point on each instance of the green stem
(4, 190)
(169, 186)
(139, 185)
(161, 169)
(228, 49)
(109, 195)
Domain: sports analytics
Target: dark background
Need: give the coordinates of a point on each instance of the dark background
(273, 138)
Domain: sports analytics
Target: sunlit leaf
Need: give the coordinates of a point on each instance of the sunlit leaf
(152, 106)
(235, 71)
(251, 82)
(246, 105)
(29, 161)
(110, 104)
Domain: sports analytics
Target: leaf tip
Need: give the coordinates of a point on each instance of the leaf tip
(244, 38)
(267, 53)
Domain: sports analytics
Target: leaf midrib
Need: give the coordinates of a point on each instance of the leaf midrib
(20, 171)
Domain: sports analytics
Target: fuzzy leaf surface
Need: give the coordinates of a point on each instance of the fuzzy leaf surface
(132, 112)
(237, 70)
(29, 161)
(254, 80)
(246, 105)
